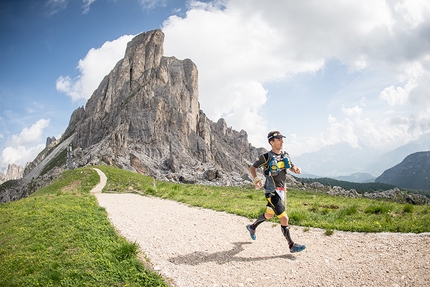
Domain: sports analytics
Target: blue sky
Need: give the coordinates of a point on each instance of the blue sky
(322, 72)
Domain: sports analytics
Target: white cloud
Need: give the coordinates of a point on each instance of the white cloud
(59, 5)
(87, 4)
(354, 112)
(395, 95)
(149, 4)
(56, 5)
(357, 130)
(30, 135)
(20, 155)
(240, 47)
(341, 132)
(25, 146)
(232, 50)
(234, 43)
(414, 12)
(93, 68)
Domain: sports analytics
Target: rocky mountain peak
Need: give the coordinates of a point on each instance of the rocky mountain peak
(145, 116)
(14, 171)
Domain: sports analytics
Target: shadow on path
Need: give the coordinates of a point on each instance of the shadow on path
(222, 257)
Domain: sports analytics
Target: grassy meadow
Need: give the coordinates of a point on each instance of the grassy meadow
(304, 208)
(59, 236)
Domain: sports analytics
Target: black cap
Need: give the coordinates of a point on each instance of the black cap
(274, 135)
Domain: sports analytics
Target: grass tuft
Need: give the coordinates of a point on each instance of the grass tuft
(377, 209)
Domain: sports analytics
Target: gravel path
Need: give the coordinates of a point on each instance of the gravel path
(200, 247)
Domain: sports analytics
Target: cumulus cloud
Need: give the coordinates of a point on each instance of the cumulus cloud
(20, 155)
(93, 68)
(241, 47)
(357, 130)
(234, 43)
(354, 112)
(30, 135)
(395, 95)
(414, 13)
(25, 146)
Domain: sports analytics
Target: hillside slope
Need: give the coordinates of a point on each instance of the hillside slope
(413, 172)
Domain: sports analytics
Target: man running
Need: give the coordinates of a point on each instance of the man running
(275, 164)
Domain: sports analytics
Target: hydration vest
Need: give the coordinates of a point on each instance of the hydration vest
(273, 165)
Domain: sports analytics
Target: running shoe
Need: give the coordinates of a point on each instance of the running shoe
(297, 248)
(251, 232)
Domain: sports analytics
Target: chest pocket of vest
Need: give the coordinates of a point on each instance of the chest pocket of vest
(286, 162)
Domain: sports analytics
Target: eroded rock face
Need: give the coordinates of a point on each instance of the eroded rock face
(13, 172)
(145, 116)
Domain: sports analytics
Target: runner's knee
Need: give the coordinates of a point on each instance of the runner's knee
(283, 219)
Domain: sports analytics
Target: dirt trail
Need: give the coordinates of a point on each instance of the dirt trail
(201, 247)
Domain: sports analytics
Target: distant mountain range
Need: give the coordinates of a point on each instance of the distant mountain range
(356, 164)
(359, 177)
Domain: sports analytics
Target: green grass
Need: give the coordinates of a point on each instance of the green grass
(61, 237)
(304, 208)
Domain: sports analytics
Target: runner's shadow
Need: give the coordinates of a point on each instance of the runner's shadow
(222, 257)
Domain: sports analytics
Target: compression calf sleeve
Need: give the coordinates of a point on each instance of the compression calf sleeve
(286, 232)
(259, 220)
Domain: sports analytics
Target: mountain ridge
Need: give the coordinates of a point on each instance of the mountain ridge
(413, 172)
(335, 160)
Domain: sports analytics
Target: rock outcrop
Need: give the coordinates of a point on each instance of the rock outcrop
(145, 116)
(13, 172)
(394, 194)
(50, 140)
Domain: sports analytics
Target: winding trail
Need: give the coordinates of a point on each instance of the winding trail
(200, 247)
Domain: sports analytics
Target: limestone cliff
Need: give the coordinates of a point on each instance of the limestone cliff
(13, 172)
(145, 116)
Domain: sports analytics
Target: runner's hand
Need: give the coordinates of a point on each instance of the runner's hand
(258, 183)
